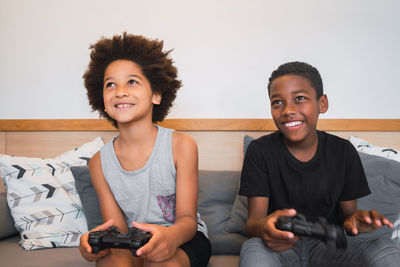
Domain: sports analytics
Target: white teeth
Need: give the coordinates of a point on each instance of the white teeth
(293, 123)
(123, 105)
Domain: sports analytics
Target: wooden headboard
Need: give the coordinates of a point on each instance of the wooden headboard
(220, 141)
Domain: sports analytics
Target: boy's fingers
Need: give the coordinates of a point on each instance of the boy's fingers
(282, 234)
(145, 249)
(275, 233)
(363, 216)
(143, 226)
(367, 219)
(380, 220)
(84, 240)
(285, 213)
(84, 244)
(354, 231)
(354, 223)
(387, 222)
(103, 226)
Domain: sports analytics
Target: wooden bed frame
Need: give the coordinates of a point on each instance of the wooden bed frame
(220, 141)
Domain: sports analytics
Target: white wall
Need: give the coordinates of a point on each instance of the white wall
(224, 50)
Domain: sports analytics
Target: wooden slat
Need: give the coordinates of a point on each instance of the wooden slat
(49, 144)
(56, 125)
(2, 142)
(220, 124)
(199, 125)
(384, 125)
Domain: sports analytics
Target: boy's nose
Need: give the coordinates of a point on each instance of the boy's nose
(288, 110)
(121, 91)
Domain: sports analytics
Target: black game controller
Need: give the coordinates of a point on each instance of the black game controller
(112, 238)
(333, 235)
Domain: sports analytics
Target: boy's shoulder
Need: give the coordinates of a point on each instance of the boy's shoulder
(332, 139)
(268, 139)
(265, 143)
(336, 145)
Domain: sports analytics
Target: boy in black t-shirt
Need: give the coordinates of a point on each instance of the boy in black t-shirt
(299, 169)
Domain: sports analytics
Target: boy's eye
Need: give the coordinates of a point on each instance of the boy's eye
(300, 98)
(109, 84)
(132, 82)
(275, 102)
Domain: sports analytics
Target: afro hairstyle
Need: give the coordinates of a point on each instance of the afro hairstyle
(155, 64)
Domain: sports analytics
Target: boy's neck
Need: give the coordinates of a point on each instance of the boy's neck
(303, 151)
(135, 144)
(137, 132)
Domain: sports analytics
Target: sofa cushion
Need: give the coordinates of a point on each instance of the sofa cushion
(366, 147)
(88, 196)
(224, 261)
(238, 216)
(13, 255)
(383, 177)
(217, 192)
(246, 141)
(6, 221)
(42, 197)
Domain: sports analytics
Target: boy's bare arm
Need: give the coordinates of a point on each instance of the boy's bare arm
(187, 183)
(257, 210)
(108, 205)
(111, 213)
(166, 240)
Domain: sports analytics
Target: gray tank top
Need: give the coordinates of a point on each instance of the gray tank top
(146, 195)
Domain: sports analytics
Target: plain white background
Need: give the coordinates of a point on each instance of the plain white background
(225, 51)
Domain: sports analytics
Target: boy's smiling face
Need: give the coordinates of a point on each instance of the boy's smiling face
(127, 93)
(295, 108)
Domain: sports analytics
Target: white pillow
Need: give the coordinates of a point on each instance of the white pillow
(42, 197)
(368, 148)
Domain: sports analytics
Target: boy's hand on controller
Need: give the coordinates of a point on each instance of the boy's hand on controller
(275, 239)
(364, 221)
(161, 245)
(86, 249)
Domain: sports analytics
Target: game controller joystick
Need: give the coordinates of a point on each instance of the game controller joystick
(333, 235)
(112, 238)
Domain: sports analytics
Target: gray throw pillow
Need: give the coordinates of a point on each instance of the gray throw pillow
(383, 177)
(88, 196)
(217, 191)
(238, 215)
(6, 221)
(246, 141)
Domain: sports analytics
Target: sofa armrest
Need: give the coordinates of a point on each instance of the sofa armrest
(6, 221)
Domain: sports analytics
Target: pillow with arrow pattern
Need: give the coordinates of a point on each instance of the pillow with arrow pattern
(42, 197)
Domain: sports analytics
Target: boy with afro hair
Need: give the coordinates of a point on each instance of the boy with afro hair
(147, 176)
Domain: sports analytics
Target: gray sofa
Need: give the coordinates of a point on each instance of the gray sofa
(217, 192)
(223, 211)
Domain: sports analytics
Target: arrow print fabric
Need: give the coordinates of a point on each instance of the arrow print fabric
(43, 199)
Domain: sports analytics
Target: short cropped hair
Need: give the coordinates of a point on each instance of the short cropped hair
(155, 64)
(302, 69)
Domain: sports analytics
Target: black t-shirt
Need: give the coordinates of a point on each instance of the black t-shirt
(313, 188)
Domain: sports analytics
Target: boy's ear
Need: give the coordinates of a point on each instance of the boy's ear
(156, 100)
(323, 104)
